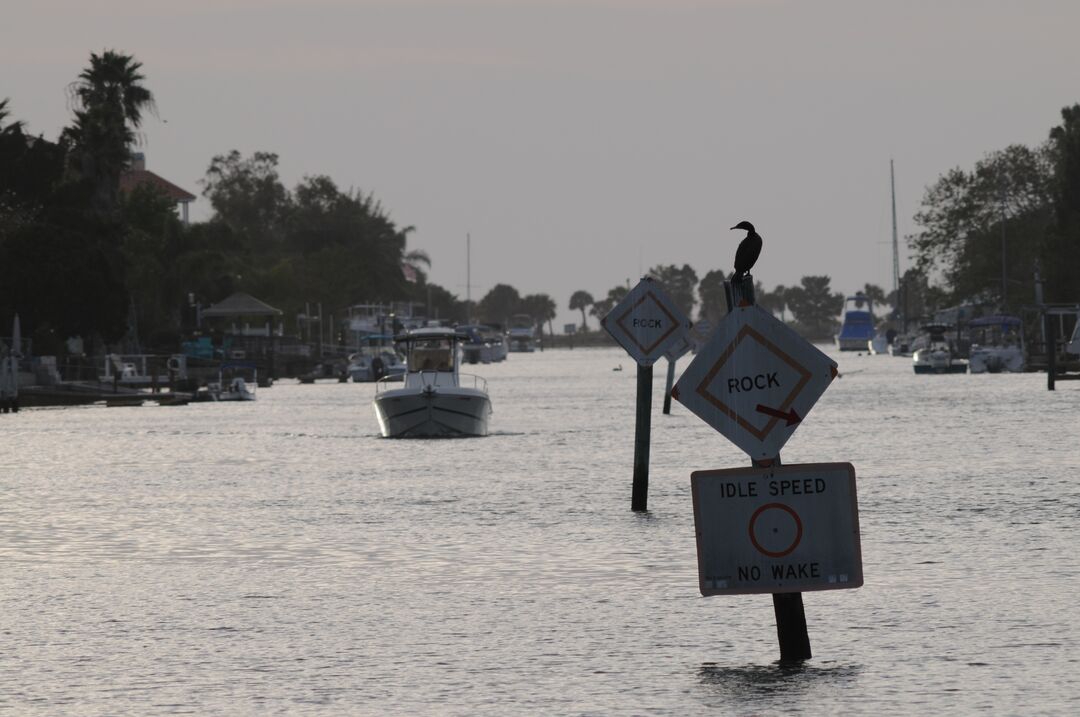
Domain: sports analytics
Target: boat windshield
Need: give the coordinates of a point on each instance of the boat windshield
(434, 354)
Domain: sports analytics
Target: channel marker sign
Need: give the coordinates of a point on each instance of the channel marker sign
(646, 322)
(755, 381)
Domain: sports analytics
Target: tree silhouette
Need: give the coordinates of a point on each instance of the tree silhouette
(109, 100)
(711, 292)
(581, 299)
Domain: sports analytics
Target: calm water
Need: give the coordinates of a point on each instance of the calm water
(279, 557)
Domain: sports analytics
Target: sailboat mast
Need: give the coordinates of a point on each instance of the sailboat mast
(895, 242)
(468, 276)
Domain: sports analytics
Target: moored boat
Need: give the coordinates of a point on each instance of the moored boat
(231, 386)
(935, 354)
(997, 344)
(856, 324)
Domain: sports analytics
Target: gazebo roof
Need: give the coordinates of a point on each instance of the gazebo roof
(240, 304)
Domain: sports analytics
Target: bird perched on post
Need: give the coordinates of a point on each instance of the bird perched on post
(748, 251)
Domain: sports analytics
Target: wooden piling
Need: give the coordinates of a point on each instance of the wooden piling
(1051, 350)
(639, 499)
(670, 383)
(791, 627)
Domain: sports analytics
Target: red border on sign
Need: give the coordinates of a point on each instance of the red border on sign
(628, 332)
(702, 389)
(798, 527)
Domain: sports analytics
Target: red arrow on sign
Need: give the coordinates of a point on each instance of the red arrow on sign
(790, 416)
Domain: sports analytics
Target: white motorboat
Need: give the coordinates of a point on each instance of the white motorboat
(522, 334)
(934, 353)
(482, 344)
(436, 400)
(997, 344)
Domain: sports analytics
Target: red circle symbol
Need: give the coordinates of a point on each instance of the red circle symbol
(794, 542)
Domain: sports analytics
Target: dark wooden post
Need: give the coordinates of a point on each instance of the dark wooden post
(670, 383)
(1051, 350)
(791, 629)
(639, 500)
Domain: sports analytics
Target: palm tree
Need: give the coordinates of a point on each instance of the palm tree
(415, 258)
(581, 299)
(12, 127)
(109, 100)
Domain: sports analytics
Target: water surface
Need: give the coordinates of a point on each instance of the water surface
(280, 557)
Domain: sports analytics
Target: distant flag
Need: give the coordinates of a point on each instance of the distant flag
(410, 273)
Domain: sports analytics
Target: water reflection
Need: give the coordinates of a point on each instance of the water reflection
(777, 683)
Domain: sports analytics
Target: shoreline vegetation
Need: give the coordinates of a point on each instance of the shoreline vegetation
(83, 255)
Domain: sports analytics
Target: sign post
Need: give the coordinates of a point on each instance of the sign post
(647, 324)
(770, 528)
(673, 355)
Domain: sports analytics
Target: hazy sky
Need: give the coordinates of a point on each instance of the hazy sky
(580, 142)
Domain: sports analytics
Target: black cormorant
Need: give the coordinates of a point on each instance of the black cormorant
(748, 251)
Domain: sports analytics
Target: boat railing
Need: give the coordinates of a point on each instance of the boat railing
(431, 378)
(469, 380)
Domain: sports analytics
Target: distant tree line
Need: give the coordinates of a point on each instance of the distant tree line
(80, 257)
(813, 307)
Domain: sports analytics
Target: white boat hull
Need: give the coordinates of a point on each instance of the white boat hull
(935, 361)
(997, 359)
(436, 412)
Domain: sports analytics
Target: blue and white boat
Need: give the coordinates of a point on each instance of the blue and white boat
(856, 324)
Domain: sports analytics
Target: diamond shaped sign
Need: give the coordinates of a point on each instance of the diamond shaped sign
(646, 322)
(755, 381)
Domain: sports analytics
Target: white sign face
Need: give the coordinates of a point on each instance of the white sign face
(646, 322)
(755, 381)
(777, 530)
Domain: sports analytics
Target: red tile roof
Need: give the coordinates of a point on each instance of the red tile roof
(134, 177)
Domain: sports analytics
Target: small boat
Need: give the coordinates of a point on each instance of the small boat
(522, 334)
(436, 400)
(997, 344)
(856, 324)
(935, 353)
(901, 345)
(482, 344)
(375, 359)
(233, 387)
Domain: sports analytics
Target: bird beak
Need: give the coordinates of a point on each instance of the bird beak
(735, 227)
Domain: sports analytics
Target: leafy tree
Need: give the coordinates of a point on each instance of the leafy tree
(248, 197)
(1062, 250)
(150, 245)
(603, 307)
(541, 307)
(711, 292)
(678, 283)
(444, 306)
(917, 299)
(499, 304)
(581, 299)
(815, 306)
(967, 216)
(774, 301)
